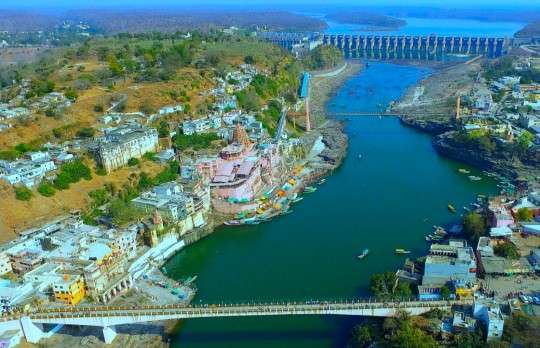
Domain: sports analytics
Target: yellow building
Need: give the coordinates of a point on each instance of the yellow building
(70, 289)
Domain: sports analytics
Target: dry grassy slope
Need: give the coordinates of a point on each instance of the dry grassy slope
(81, 113)
(16, 215)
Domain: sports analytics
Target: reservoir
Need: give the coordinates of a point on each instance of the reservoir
(389, 198)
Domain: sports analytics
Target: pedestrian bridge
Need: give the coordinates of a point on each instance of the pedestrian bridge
(107, 317)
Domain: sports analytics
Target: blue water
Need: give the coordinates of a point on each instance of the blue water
(389, 199)
(439, 26)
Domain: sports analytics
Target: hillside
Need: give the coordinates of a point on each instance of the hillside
(530, 30)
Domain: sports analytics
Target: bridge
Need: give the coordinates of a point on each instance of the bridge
(396, 46)
(107, 317)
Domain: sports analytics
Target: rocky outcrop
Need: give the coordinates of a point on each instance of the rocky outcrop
(500, 162)
(429, 125)
(335, 141)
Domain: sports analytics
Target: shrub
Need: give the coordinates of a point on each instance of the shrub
(22, 193)
(133, 162)
(46, 190)
(86, 132)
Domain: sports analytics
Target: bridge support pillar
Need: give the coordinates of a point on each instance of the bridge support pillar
(32, 332)
(109, 333)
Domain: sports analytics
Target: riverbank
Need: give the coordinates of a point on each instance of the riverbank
(430, 106)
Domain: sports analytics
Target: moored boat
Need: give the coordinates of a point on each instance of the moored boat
(464, 171)
(402, 251)
(474, 178)
(451, 208)
(364, 253)
(309, 189)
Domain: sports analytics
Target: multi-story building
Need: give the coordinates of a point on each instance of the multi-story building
(118, 146)
(445, 264)
(69, 289)
(490, 315)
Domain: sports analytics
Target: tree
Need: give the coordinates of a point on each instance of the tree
(132, 162)
(362, 336)
(387, 286)
(525, 140)
(408, 336)
(507, 250)
(522, 330)
(525, 214)
(474, 226)
(22, 193)
(86, 132)
(445, 292)
(249, 60)
(163, 129)
(323, 57)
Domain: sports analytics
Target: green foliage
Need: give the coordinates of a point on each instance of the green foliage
(22, 193)
(101, 171)
(525, 214)
(195, 141)
(265, 86)
(98, 108)
(362, 336)
(479, 139)
(123, 212)
(474, 226)
(86, 132)
(323, 57)
(248, 99)
(409, 336)
(445, 292)
(168, 174)
(145, 182)
(39, 88)
(163, 129)
(99, 197)
(9, 155)
(524, 141)
(71, 173)
(507, 250)
(71, 94)
(150, 156)
(133, 162)
(522, 330)
(387, 286)
(46, 189)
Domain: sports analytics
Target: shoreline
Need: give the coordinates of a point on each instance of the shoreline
(333, 136)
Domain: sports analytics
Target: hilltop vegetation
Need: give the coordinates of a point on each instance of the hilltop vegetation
(113, 21)
(323, 57)
(368, 19)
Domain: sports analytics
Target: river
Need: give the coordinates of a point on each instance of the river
(380, 202)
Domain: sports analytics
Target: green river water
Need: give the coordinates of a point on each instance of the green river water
(378, 202)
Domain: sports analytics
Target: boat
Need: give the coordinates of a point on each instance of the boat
(402, 251)
(298, 199)
(322, 181)
(474, 178)
(287, 212)
(232, 223)
(364, 253)
(309, 189)
(451, 208)
(464, 171)
(360, 156)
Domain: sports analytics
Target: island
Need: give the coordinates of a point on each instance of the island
(370, 20)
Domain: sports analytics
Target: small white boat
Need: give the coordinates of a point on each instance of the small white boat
(474, 178)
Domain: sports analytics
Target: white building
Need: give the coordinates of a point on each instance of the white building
(123, 143)
(490, 315)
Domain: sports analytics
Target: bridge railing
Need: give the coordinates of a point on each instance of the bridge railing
(229, 308)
